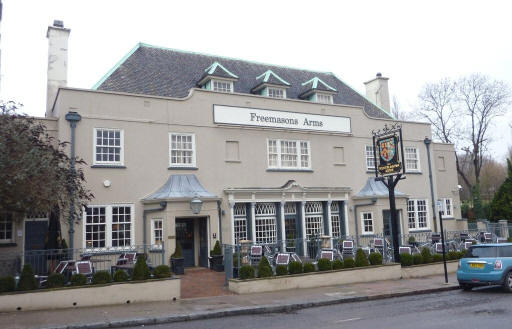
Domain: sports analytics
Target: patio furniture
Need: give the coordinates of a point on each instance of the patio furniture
(378, 245)
(85, 268)
(468, 244)
(327, 254)
(348, 249)
(255, 254)
(438, 248)
(436, 237)
(282, 259)
(487, 237)
(127, 258)
(463, 236)
(296, 258)
(405, 250)
(501, 240)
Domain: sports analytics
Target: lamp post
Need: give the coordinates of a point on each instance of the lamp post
(440, 207)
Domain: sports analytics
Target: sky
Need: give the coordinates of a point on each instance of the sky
(411, 42)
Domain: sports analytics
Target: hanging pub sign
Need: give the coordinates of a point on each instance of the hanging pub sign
(388, 149)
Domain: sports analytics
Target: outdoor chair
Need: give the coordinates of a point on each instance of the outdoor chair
(378, 245)
(127, 258)
(467, 244)
(256, 254)
(296, 258)
(405, 250)
(85, 268)
(438, 248)
(282, 259)
(436, 237)
(487, 237)
(463, 237)
(327, 254)
(348, 249)
(501, 240)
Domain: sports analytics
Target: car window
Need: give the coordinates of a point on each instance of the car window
(481, 252)
(505, 251)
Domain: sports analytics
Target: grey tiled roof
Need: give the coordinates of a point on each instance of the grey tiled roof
(376, 189)
(180, 186)
(165, 72)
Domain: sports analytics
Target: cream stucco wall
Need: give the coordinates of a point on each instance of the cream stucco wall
(147, 121)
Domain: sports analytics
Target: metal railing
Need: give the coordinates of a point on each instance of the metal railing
(43, 262)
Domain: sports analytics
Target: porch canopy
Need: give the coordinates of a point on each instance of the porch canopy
(181, 187)
(376, 189)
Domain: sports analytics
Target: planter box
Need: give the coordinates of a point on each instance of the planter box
(109, 294)
(316, 279)
(418, 271)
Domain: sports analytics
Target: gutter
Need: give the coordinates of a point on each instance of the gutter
(219, 210)
(163, 205)
(374, 201)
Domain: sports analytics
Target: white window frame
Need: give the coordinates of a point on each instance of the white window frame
(329, 97)
(368, 156)
(193, 140)
(278, 90)
(446, 202)
(335, 219)
(298, 146)
(363, 226)
(265, 218)
(415, 211)
(5, 219)
(108, 227)
(314, 218)
(227, 82)
(240, 222)
(417, 151)
(154, 245)
(121, 145)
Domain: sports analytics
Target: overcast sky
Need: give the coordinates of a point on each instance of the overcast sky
(411, 42)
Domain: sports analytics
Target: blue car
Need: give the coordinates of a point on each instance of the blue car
(486, 264)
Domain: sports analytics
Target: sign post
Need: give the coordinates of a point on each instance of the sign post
(440, 209)
(387, 143)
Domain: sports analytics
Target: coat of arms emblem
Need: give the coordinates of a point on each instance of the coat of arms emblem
(387, 149)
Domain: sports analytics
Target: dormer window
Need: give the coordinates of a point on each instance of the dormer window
(271, 85)
(323, 98)
(276, 92)
(218, 78)
(317, 90)
(222, 86)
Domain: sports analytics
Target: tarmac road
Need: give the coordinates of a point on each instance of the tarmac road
(480, 308)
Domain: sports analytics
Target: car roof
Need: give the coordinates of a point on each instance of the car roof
(492, 244)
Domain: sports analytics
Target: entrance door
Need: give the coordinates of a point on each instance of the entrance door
(203, 243)
(35, 236)
(386, 217)
(185, 236)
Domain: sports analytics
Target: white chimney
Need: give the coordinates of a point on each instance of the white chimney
(57, 62)
(377, 91)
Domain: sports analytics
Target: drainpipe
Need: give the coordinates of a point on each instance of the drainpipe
(374, 200)
(73, 118)
(427, 142)
(219, 210)
(163, 205)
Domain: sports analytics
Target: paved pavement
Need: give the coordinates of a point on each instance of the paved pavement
(482, 308)
(215, 307)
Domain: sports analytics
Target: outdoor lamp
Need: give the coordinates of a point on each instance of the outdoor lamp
(195, 205)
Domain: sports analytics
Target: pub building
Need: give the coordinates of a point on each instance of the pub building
(195, 148)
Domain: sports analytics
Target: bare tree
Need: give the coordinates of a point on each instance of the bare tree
(482, 100)
(461, 112)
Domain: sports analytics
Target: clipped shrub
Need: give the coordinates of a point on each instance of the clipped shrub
(462, 253)
(178, 253)
(417, 259)
(452, 255)
(7, 283)
(27, 279)
(349, 263)
(216, 251)
(375, 258)
(56, 280)
(324, 264)
(509, 239)
(264, 269)
(406, 260)
(281, 270)
(78, 280)
(427, 256)
(361, 258)
(101, 277)
(437, 258)
(309, 267)
(235, 259)
(337, 264)
(141, 269)
(120, 276)
(162, 271)
(246, 272)
(295, 267)
(412, 240)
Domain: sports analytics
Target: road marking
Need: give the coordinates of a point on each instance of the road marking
(346, 320)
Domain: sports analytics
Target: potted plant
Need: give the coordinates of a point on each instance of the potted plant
(177, 266)
(216, 257)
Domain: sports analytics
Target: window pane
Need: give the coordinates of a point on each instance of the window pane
(108, 142)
